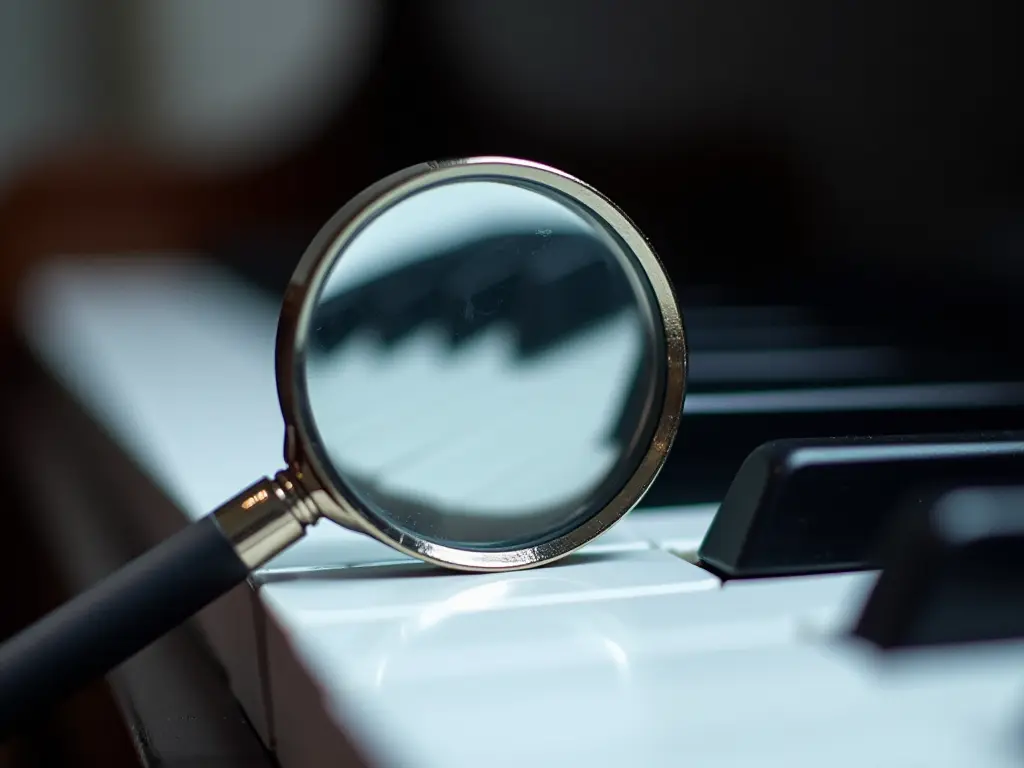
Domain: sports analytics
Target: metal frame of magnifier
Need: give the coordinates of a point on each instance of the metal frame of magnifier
(104, 626)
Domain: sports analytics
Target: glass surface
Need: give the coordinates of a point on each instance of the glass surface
(482, 367)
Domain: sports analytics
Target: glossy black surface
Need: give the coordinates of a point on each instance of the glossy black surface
(952, 573)
(821, 506)
(719, 430)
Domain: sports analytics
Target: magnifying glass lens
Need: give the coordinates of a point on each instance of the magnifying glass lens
(481, 366)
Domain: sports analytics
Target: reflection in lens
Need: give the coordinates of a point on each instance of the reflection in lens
(482, 366)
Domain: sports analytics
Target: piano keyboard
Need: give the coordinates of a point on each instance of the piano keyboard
(630, 652)
(493, 467)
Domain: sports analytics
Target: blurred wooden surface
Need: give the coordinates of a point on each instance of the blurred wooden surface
(100, 201)
(110, 200)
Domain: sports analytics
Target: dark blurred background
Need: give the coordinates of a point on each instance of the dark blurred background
(862, 153)
(746, 139)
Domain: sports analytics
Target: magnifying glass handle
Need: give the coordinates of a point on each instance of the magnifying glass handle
(101, 628)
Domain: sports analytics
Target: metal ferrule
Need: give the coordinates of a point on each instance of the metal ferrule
(267, 518)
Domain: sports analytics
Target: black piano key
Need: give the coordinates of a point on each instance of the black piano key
(775, 367)
(820, 506)
(403, 301)
(543, 292)
(480, 288)
(951, 573)
(844, 358)
(728, 326)
(331, 328)
(568, 285)
(733, 338)
(746, 316)
(719, 430)
(390, 306)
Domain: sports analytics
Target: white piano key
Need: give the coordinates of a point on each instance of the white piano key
(408, 381)
(678, 529)
(399, 429)
(359, 361)
(818, 604)
(557, 474)
(778, 705)
(476, 474)
(837, 704)
(618, 538)
(327, 545)
(840, 615)
(468, 635)
(398, 591)
(175, 358)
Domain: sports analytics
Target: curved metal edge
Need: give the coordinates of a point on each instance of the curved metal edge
(304, 287)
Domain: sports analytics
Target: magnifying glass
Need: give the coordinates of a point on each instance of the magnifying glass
(480, 363)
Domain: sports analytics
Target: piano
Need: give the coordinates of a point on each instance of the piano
(718, 623)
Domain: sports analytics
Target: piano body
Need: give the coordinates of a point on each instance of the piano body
(158, 401)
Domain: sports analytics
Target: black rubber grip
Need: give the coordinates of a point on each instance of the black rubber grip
(98, 630)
